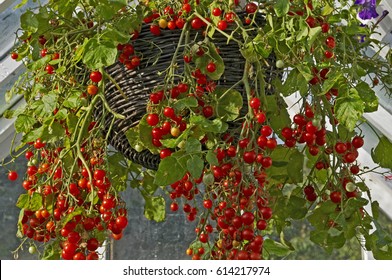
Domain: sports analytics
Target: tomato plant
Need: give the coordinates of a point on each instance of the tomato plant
(232, 158)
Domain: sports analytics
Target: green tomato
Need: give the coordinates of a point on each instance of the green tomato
(279, 63)
(350, 187)
(138, 148)
(32, 250)
(208, 179)
(32, 162)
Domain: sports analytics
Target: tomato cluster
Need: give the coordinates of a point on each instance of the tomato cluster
(74, 214)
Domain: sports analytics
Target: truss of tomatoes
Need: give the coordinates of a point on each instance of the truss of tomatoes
(228, 181)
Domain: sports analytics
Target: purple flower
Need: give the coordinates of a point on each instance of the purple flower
(368, 10)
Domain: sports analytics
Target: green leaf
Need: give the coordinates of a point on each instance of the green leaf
(382, 153)
(368, 96)
(188, 102)
(313, 34)
(145, 135)
(296, 207)
(32, 203)
(306, 72)
(72, 122)
(50, 102)
(349, 109)
(51, 252)
(332, 78)
(211, 158)
(24, 123)
(319, 237)
(115, 37)
(336, 241)
(321, 213)
(344, 134)
(192, 145)
(118, 171)
(287, 165)
(171, 169)
(195, 166)
(174, 142)
(61, 114)
(99, 54)
(53, 132)
(282, 7)
(353, 205)
(40, 63)
(327, 10)
(73, 101)
(148, 182)
(275, 248)
(277, 112)
(29, 21)
(154, 208)
(260, 45)
(229, 103)
(76, 212)
(206, 125)
(213, 56)
(290, 85)
(33, 135)
(107, 9)
(375, 210)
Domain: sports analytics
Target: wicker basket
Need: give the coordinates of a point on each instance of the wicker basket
(139, 83)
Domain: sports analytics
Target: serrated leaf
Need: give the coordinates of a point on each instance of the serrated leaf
(275, 248)
(36, 65)
(118, 171)
(145, 135)
(29, 21)
(349, 109)
(195, 166)
(99, 54)
(188, 102)
(332, 78)
(382, 153)
(202, 62)
(147, 183)
(375, 210)
(77, 211)
(192, 145)
(229, 103)
(353, 205)
(51, 252)
(53, 132)
(296, 207)
(50, 101)
(24, 123)
(368, 96)
(154, 208)
(32, 203)
(73, 100)
(313, 34)
(115, 36)
(171, 169)
(305, 72)
(207, 125)
(211, 158)
(33, 135)
(287, 165)
(281, 7)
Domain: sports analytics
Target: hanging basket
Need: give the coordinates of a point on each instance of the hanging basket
(137, 84)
